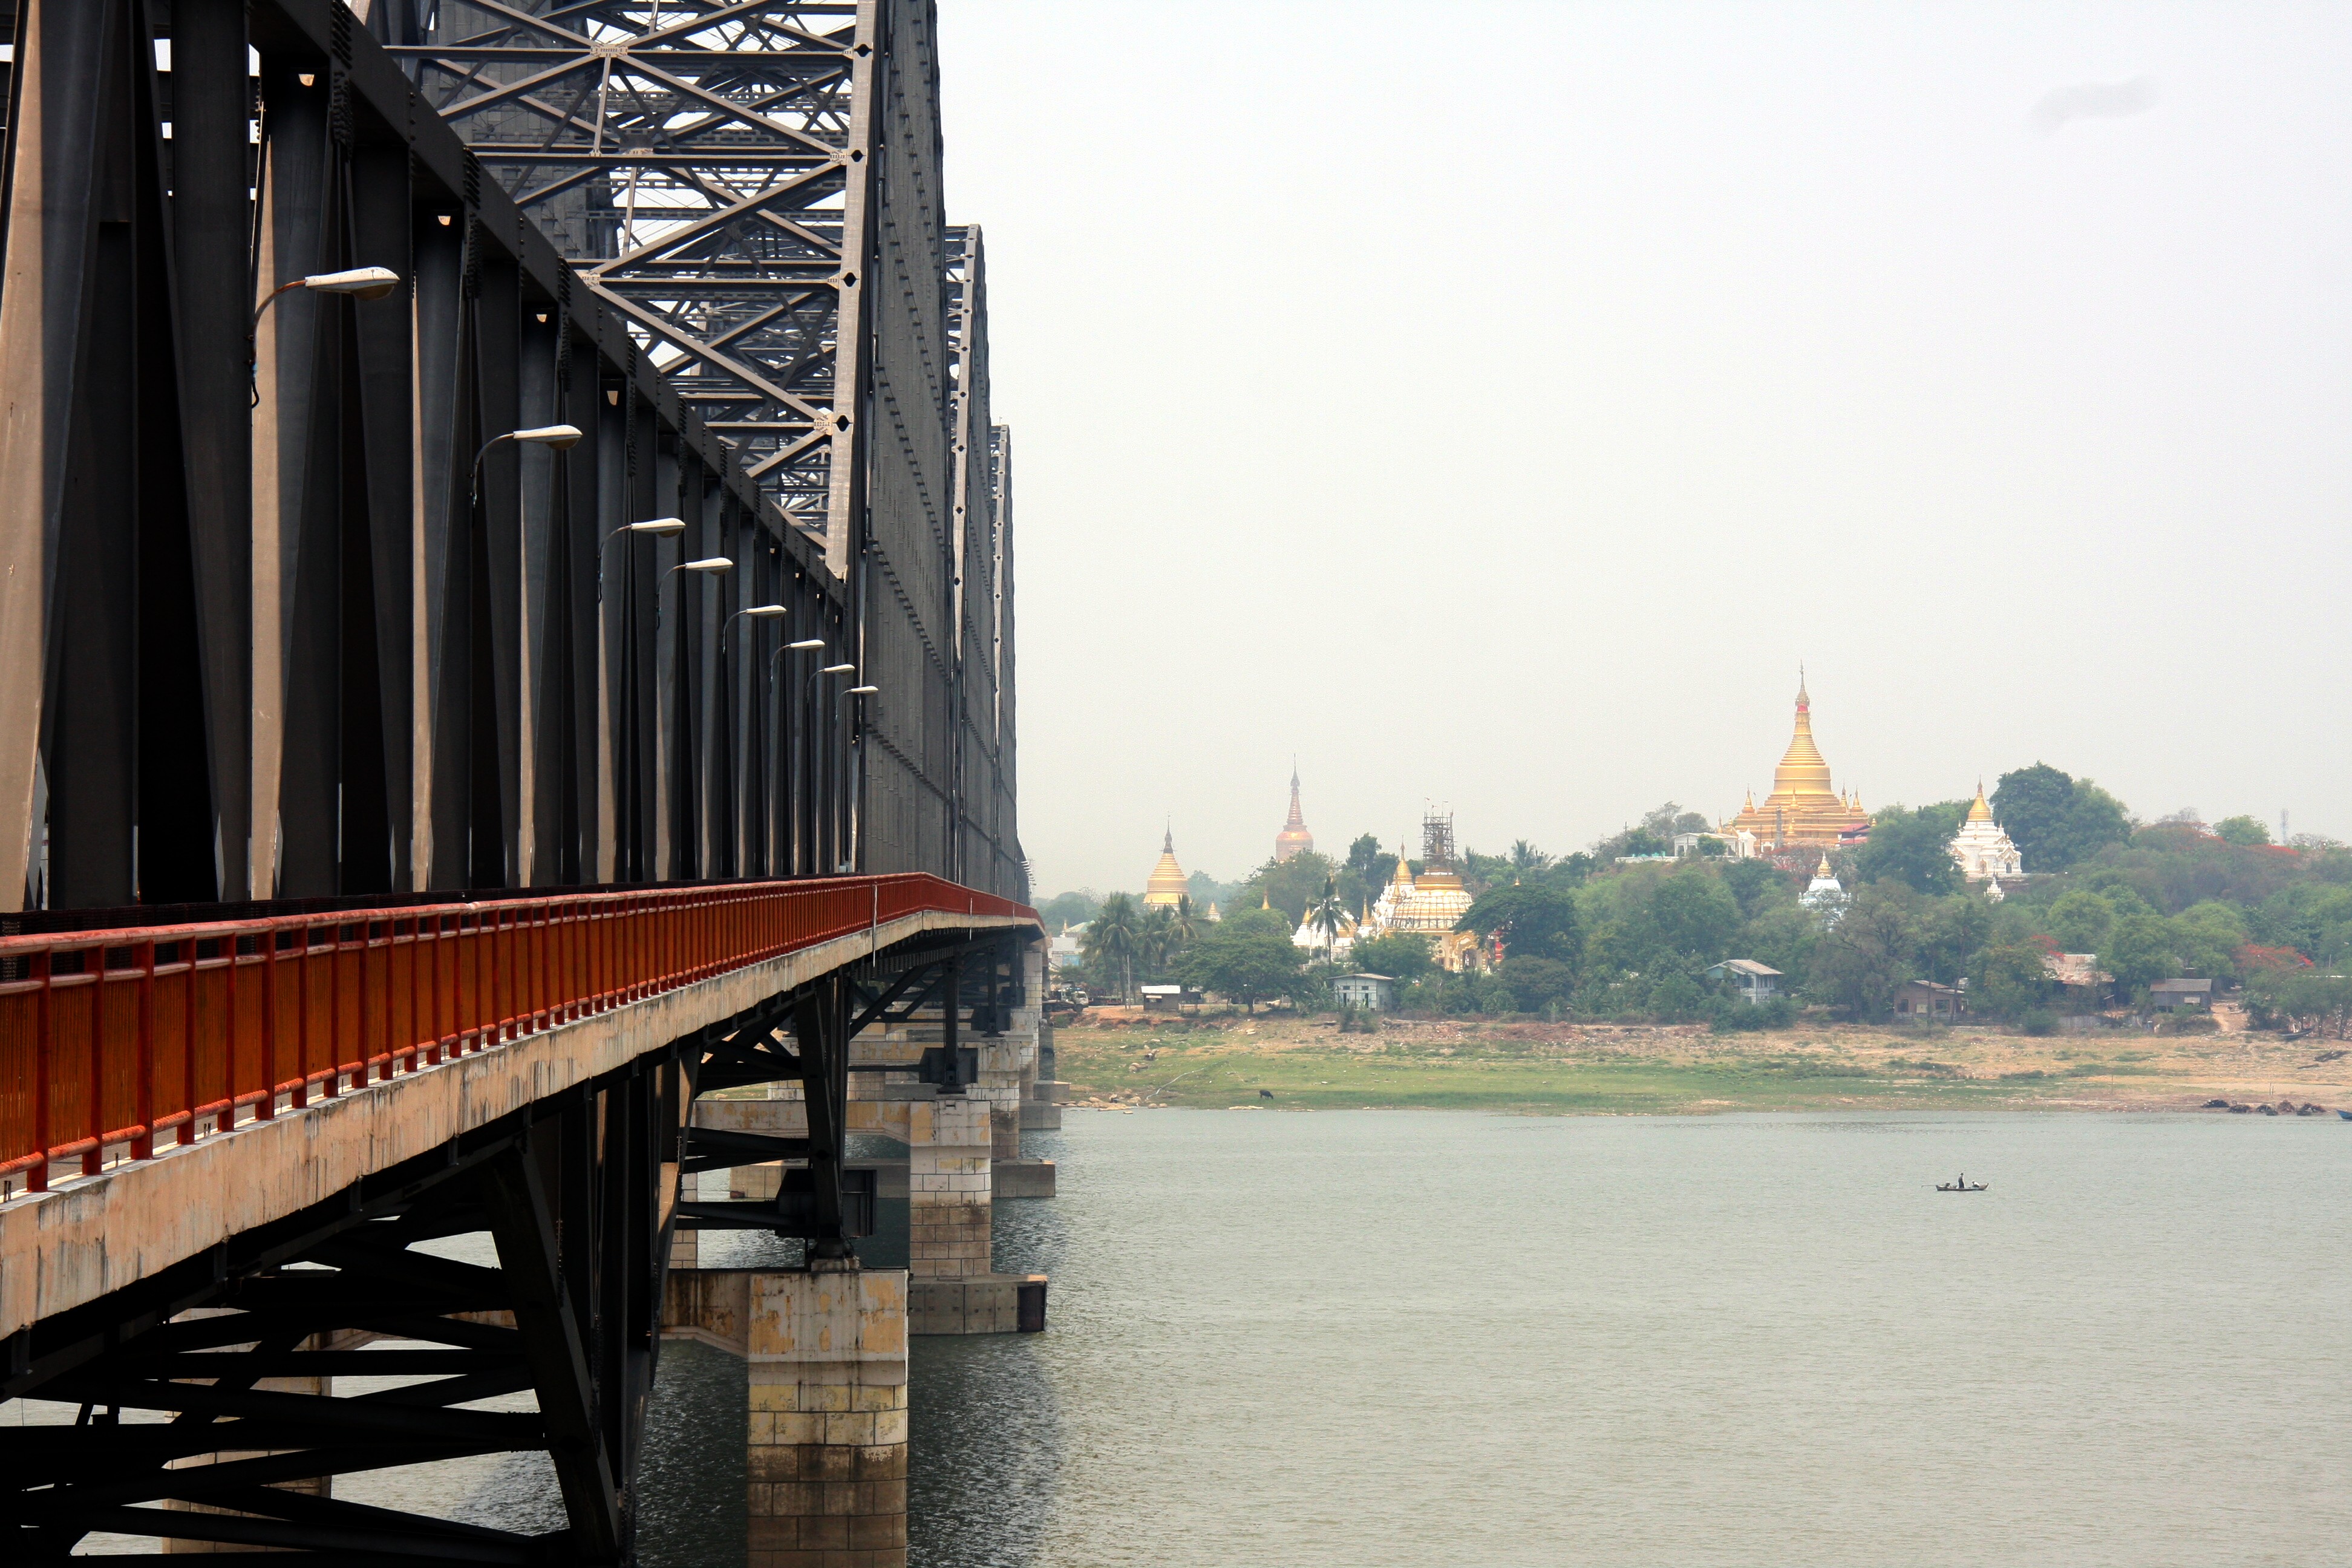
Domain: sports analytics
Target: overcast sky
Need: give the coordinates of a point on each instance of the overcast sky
(1493, 404)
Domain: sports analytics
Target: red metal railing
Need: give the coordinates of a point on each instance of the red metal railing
(120, 1037)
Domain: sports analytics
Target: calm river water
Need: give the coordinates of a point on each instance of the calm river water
(1346, 1340)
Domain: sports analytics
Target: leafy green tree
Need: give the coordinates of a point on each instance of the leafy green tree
(1403, 957)
(2057, 821)
(1866, 957)
(2009, 978)
(2031, 804)
(1783, 938)
(1114, 940)
(1536, 982)
(1913, 847)
(2301, 1000)
(1949, 931)
(1183, 923)
(1757, 885)
(2206, 938)
(1244, 962)
(1070, 909)
(2079, 919)
(1290, 886)
(2245, 832)
(2139, 953)
(1535, 923)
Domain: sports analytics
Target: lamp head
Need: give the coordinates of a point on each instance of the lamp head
(359, 282)
(836, 669)
(863, 690)
(763, 611)
(659, 525)
(807, 642)
(556, 435)
(710, 563)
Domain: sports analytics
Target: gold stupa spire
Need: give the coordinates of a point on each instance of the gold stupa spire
(1168, 883)
(1981, 809)
(1823, 868)
(1803, 771)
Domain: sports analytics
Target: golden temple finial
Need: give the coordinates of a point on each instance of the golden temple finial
(1823, 868)
(1981, 809)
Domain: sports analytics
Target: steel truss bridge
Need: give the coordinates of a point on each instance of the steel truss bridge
(402, 818)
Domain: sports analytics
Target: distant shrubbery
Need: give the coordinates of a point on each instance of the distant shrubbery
(1586, 937)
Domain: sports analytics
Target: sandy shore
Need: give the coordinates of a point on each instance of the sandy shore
(1277, 1061)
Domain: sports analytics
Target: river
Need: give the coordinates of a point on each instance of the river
(1424, 1337)
(1344, 1339)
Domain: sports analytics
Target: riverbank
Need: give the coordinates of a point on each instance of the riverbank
(1281, 1062)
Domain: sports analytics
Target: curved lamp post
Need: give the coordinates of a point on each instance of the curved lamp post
(555, 436)
(858, 739)
(360, 283)
(658, 527)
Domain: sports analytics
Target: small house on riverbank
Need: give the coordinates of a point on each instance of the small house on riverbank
(1925, 1000)
(1751, 980)
(2181, 995)
(1375, 993)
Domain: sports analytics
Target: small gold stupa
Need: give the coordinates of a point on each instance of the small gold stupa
(1167, 884)
(1802, 808)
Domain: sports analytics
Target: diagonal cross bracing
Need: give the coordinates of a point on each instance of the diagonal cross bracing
(703, 165)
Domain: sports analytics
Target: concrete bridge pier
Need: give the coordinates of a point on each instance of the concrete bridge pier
(825, 1475)
(952, 1286)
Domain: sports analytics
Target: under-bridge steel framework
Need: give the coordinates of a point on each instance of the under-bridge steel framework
(393, 838)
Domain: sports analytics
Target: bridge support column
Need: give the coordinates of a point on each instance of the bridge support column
(826, 1473)
(953, 1287)
(949, 1144)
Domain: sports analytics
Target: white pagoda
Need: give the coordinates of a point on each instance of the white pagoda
(1984, 852)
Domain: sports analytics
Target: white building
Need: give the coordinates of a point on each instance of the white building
(1983, 850)
(1824, 895)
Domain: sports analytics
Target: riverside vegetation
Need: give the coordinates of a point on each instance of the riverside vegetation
(1305, 1062)
(1589, 939)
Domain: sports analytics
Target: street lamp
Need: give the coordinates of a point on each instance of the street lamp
(792, 758)
(556, 436)
(360, 283)
(659, 527)
(757, 612)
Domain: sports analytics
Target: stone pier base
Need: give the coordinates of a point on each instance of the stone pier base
(827, 1469)
(977, 1304)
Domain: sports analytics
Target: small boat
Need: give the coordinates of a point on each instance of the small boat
(1962, 1185)
(2346, 1114)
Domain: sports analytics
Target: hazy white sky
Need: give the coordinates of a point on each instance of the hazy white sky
(1494, 402)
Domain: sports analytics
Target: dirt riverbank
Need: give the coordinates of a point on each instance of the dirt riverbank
(1277, 1061)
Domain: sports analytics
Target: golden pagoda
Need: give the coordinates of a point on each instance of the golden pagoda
(1167, 884)
(1294, 836)
(1802, 808)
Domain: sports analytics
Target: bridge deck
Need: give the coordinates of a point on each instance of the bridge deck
(290, 1057)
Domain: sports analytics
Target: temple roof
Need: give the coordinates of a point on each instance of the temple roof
(1981, 809)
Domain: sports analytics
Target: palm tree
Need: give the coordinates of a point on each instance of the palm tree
(1525, 857)
(1113, 936)
(1327, 914)
(1156, 943)
(1182, 929)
